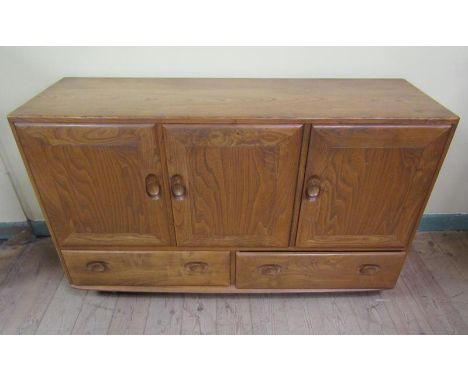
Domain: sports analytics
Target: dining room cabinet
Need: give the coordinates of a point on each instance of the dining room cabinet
(232, 186)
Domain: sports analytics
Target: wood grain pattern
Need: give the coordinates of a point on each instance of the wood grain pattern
(96, 314)
(435, 256)
(198, 315)
(378, 270)
(423, 287)
(165, 314)
(148, 268)
(430, 298)
(28, 289)
(122, 167)
(233, 315)
(299, 184)
(130, 314)
(62, 312)
(268, 315)
(240, 183)
(182, 100)
(8, 258)
(91, 180)
(373, 184)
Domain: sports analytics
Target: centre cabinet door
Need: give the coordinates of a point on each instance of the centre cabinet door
(365, 186)
(100, 184)
(233, 185)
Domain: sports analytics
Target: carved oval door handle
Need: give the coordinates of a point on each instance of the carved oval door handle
(369, 269)
(196, 267)
(269, 269)
(96, 266)
(312, 190)
(178, 189)
(152, 186)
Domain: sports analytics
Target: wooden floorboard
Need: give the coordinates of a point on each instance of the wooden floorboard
(63, 311)
(233, 315)
(199, 314)
(29, 288)
(431, 297)
(268, 314)
(165, 314)
(130, 314)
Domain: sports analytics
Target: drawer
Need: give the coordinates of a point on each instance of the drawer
(148, 268)
(270, 270)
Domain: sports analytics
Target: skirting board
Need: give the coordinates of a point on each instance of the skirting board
(10, 229)
(429, 222)
(444, 222)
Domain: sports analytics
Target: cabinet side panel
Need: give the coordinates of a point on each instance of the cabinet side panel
(38, 197)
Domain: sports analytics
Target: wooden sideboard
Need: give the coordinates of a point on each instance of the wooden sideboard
(232, 185)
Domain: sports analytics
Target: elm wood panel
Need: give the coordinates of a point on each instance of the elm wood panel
(434, 179)
(299, 183)
(373, 182)
(270, 270)
(240, 183)
(155, 268)
(232, 100)
(38, 197)
(92, 183)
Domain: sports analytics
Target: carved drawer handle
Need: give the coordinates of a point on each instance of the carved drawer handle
(177, 186)
(312, 190)
(269, 269)
(96, 266)
(369, 269)
(196, 267)
(152, 186)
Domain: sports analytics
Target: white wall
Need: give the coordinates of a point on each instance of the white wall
(440, 72)
(10, 208)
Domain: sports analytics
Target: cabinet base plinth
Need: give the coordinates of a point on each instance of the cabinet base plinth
(212, 290)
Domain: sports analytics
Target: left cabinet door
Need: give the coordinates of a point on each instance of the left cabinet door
(100, 184)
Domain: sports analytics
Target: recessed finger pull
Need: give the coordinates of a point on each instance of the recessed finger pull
(369, 269)
(269, 269)
(196, 267)
(312, 190)
(177, 187)
(153, 189)
(96, 266)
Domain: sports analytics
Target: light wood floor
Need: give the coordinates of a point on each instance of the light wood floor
(431, 297)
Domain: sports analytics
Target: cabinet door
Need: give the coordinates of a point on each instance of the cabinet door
(233, 184)
(99, 184)
(366, 186)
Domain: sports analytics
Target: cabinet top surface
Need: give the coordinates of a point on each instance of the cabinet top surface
(233, 100)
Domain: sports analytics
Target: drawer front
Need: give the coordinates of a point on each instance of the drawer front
(262, 270)
(148, 268)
